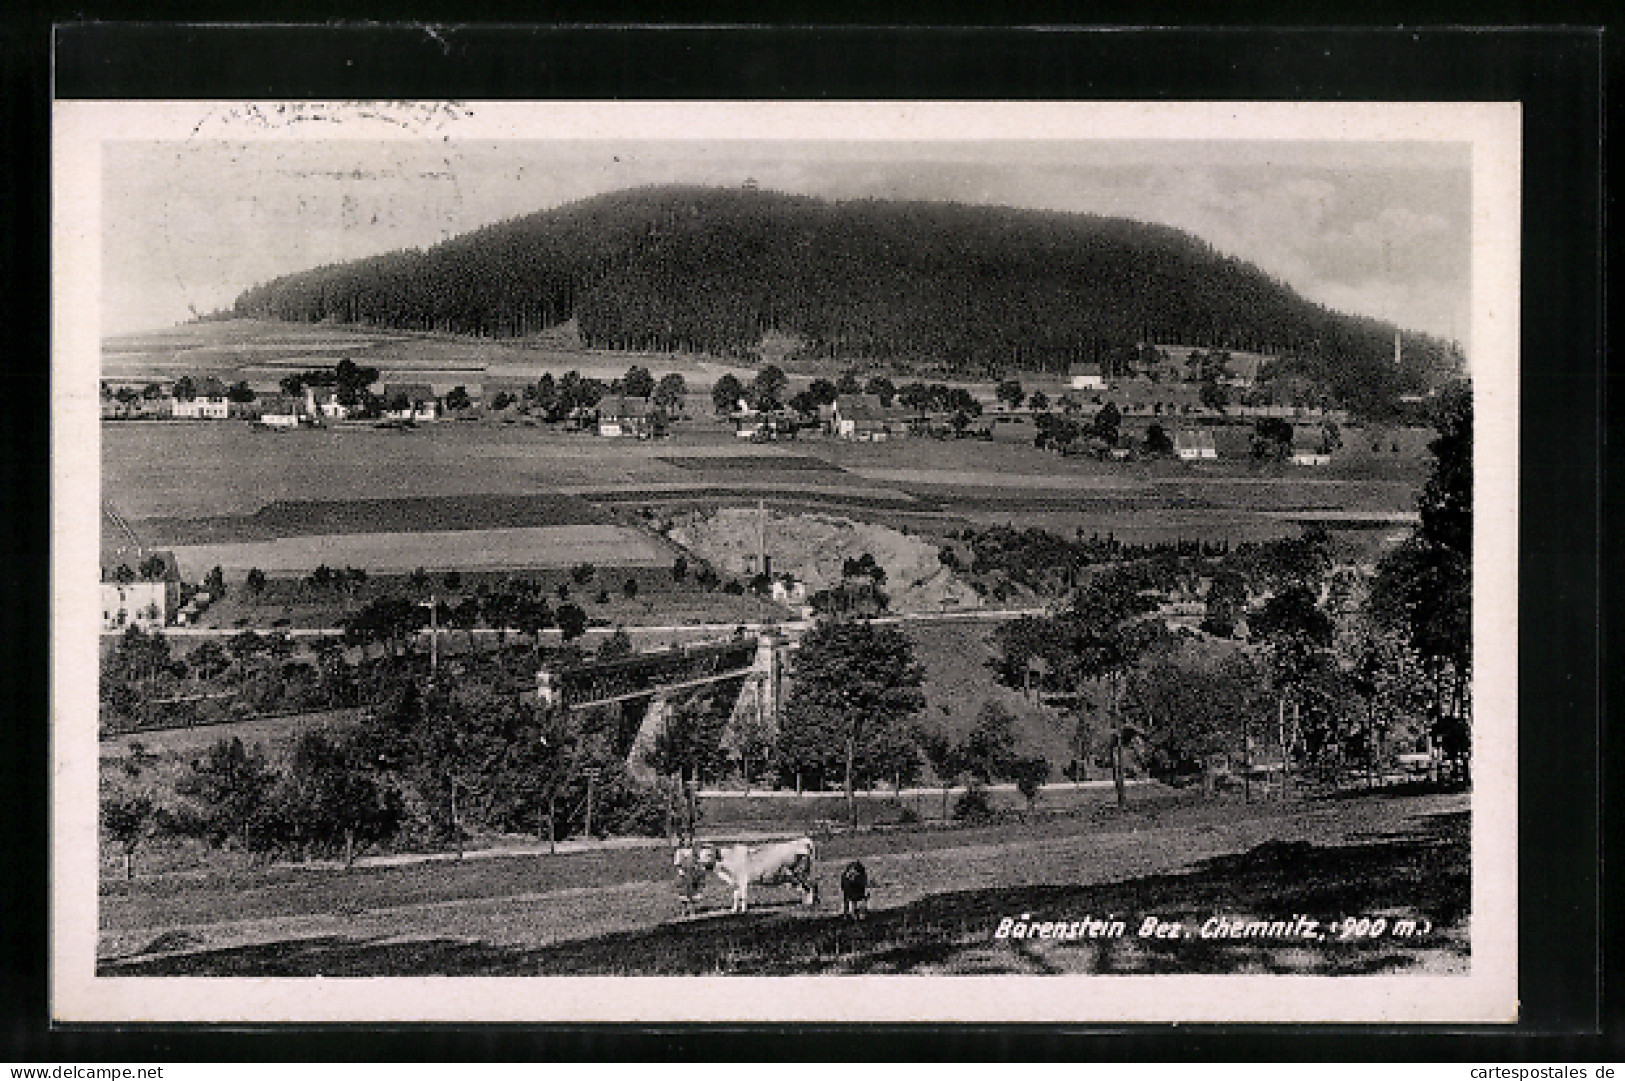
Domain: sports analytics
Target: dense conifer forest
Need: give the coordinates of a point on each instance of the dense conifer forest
(972, 291)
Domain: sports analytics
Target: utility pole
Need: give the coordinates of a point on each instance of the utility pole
(592, 777)
(433, 606)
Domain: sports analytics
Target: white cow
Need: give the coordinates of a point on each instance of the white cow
(741, 866)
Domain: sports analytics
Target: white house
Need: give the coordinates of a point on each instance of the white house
(147, 603)
(788, 590)
(207, 403)
(626, 416)
(862, 417)
(324, 402)
(280, 411)
(1191, 445)
(1087, 377)
(410, 401)
(1310, 446)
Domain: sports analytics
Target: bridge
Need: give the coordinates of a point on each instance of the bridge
(743, 675)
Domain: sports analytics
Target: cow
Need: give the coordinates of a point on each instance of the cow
(742, 866)
(854, 890)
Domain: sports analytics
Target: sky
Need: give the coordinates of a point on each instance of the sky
(1379, 229)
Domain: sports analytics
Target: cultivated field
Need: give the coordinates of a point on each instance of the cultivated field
(401, 552)
(939, 896)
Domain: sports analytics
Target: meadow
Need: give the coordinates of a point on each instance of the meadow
(939, 896)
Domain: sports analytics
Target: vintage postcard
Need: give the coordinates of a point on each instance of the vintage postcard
(877, 562)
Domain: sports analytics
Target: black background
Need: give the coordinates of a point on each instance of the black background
(1558, 75)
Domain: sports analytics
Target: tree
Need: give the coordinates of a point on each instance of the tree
(1215, 395)
(230, 785)
(153, 568)
(240, 393)
(725, 393)
(1193, 701)
(670, 392)
(881, 388)
(750, 737)
(465, 616)
(333, 798)
(767, 390)
(944, 756)
(1157, 441)
(615, 646)
(1298, 636)
(1272, 439)
(457, 399)
(1105, 635)
(989, 749)
(582, 573)
(572, 621)
(690, 745)
(1226, 602)
(209, 660)
(1038, 401)
(532, 616)
(854, 683)
(256, 581)
(637, 382)
(1029, 773)
(1423, 588)
(1107, 424)
(185, 389)
(629, 588)
(679, 569)
(1010, 393)
(126, 818)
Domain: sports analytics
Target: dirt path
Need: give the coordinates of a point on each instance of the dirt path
(530, 903)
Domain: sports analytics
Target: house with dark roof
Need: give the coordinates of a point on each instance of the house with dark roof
(1086, 377)
(624, 416)
(862, 417)
(1311, 445)
(1194, 444)
(208, 400)
(410, 401)
(279, 410)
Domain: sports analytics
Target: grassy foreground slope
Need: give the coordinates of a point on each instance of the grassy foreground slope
(939, 898)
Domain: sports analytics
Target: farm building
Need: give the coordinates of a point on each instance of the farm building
(410, 401)
(1311, 445)
(324, 402)
(1194, 444)
(280, 411)
(147, 603)
(623, 416)
(862, 417)
(208, 401)
(1146, 398)
(1086, 377)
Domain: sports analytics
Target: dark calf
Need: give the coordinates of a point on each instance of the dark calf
(854, 890)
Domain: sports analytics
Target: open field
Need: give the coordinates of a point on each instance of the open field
(261, 352)
(288, 518)
(159, 475)
(939, 896)
(205, 483)
(401, 552)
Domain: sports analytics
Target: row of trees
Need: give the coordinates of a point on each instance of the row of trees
(971, 290)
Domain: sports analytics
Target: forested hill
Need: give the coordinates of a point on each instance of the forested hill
(970, 290)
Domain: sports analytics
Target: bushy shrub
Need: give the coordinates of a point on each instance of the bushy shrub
(973, 804)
